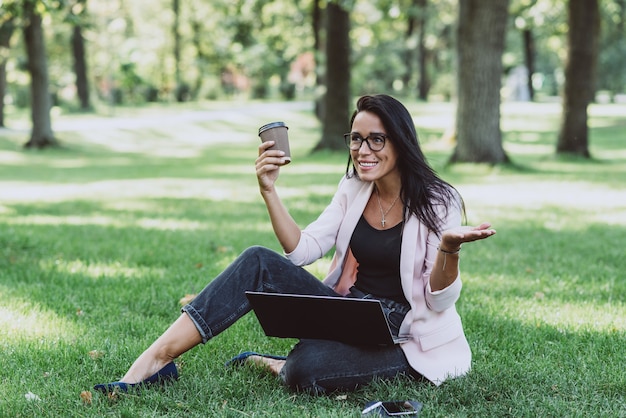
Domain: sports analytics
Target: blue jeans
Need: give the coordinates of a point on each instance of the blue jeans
(315, 366)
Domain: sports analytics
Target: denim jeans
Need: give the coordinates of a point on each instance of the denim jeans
(315, 366)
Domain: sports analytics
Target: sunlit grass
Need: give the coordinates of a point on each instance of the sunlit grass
(99, 241)
(583, 316)
(100, 271)
(22, 320)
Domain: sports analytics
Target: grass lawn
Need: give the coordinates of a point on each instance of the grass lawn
(99, 241)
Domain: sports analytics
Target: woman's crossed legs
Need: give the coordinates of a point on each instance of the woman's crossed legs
(317, 366)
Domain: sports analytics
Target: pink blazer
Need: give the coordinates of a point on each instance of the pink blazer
(438, 349)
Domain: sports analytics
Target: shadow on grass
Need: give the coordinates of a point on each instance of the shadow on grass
(542, 262)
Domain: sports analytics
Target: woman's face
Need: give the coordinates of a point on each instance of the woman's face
(373, 165)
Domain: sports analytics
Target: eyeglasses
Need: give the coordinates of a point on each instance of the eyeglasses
(375, 142)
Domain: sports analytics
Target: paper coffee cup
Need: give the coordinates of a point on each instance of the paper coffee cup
(277, 132)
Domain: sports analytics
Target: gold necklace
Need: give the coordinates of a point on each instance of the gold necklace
(384, 213)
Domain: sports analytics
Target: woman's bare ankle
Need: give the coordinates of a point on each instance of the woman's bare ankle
(181, 336)
(272, 365)
(145, 366)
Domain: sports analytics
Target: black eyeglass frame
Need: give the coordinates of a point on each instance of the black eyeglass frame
(348, 140)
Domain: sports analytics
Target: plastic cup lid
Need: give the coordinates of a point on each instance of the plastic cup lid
(272, 125)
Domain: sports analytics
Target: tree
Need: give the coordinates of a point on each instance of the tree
(525, 14)
(337, 96)
(318, 51)
(529, 58)
(416, 21)
(611, 76)
(201, 59)
(481, 29)
(41, 135)
(582, 39)
(423, 85)
(6, 30)
(181, 90)
(78, 13)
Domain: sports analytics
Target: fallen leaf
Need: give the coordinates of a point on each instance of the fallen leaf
(86, 396)
(186, 299)
(96, 354)
(30, 396)
(341, 397)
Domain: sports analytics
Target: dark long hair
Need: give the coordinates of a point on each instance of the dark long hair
(422, 190)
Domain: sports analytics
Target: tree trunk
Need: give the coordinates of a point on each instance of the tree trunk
(80, 67)
(621, 6)
(316, 24)
(201, 57)
(423, 83)
(180, 90)
(481, 29)
(416, 42)
(337, 97)
(583, 33)
(409, 53)
(318, 48)
(6, 30)
(41, 135)
(529, 57)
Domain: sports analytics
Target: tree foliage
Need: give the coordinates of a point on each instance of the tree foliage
(248, 47)
(165, 50)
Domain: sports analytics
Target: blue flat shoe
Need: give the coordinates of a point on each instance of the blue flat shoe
(241, 358)
(167, 374)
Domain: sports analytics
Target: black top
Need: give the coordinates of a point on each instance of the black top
(378, 254)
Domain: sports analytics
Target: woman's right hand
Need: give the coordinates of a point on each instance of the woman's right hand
(268, 165)
(267, 168)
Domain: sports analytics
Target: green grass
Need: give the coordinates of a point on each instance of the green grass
(100, 240)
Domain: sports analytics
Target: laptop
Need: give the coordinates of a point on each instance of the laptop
(349, 320)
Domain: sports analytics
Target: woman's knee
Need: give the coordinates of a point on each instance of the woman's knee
(256, 251)
(323, 367)
(256, 257)
(312, 367)
(301, 378)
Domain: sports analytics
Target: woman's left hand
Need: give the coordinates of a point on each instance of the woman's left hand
(452, 239)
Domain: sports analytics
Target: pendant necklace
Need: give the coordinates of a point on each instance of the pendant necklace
(384, 213)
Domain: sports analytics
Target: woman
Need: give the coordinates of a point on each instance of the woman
(396, 229)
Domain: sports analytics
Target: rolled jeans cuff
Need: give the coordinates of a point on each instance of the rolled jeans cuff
(202, 327)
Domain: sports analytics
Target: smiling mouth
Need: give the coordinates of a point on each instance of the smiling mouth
(367, 164)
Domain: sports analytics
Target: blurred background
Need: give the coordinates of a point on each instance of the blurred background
(95, 55)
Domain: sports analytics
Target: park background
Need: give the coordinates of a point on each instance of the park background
(121, 197)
